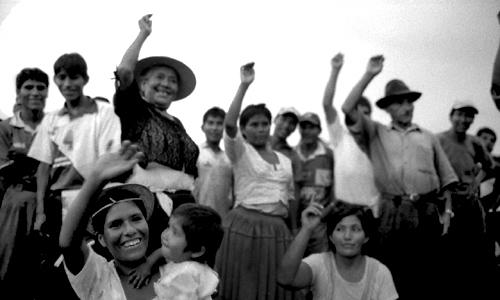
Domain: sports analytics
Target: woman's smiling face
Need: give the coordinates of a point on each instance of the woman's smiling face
(160, 86)
(126, 232)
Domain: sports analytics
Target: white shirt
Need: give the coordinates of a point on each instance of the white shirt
(82, 140)
(324, 267)
(213, 187)
(353, 171)
(97, 280)
(258, 184)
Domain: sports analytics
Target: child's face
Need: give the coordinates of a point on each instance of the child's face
(173, 241)
(126, 232)
(348, 236)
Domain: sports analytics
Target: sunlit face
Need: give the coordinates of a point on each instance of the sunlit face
(348, 237)
(401, 111)
(309, 133)
(173, 241)
(256, 131)
(160, 86)
(70, 86)
(285, 125)
(32, 95)
(461, 119)
(126, 232)
(212, 127)
(488, 140)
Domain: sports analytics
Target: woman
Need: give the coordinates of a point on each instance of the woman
(343, 272)
(144, 91)
(255, 236)
(17, 171)
(118, 217)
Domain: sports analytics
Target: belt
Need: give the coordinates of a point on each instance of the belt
(414, 197)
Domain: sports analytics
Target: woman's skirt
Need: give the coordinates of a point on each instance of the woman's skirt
(249, 256)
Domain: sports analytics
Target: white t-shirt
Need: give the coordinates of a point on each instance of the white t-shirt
(213, 187)
(353, 171)
(323, 267)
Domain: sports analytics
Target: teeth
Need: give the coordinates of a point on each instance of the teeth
(131, 243)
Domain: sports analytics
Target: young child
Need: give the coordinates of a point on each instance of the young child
(189, 246)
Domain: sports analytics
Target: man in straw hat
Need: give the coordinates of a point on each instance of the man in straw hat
(411, 170)
(471, 162)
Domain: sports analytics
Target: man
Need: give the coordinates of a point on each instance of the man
(314, 181)
(471, 162)
(490, 187)
(213, 187)
(411, 170)
(67, 144)
(285, 124)
(18, 250)
(353, 172)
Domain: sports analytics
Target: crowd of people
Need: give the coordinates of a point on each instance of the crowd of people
(114, 200)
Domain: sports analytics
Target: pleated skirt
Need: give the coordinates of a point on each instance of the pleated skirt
(249, 256)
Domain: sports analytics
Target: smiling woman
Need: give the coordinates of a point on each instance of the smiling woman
(144, 91)
(118, 217)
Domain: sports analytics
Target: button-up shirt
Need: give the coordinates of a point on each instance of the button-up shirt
(405, 161)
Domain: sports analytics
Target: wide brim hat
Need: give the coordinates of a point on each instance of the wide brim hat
(187, 80)
(395, 90)
(119, 193)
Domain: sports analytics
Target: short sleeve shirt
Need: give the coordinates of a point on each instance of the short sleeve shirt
(213, 187)
(72, 145)
(404, 161)
(353, 171)
(98, 280)
(383, 287)
(258, 184)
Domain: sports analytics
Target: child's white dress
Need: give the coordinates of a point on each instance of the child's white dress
(187, 280)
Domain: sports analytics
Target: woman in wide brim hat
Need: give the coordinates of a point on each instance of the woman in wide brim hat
(395, 90)
(145, 90)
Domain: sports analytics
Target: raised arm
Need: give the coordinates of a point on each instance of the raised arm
(127, 65)
(330, 111)
(495, 81)
(292, 271)
(107, 167)
(375, 65)
(247, 75)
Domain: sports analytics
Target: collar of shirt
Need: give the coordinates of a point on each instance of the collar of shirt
(413, 127)
(95, 108)
(320, 150)
(17, 122)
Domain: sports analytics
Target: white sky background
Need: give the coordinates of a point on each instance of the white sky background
(445, 49)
